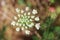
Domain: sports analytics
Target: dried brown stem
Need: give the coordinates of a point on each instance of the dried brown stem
(38, 35)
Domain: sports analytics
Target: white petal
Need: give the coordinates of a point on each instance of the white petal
(25, 14)
(29, 13)
(32, 17)
(31, 20)
(22, 16)
(22, 11)
(37, 26)
(26, 27)
(27, 32)
(28, 16)
(37, 19)
(23, 24)
(27, 23)
(15, 17)
(20, 24)
(18, 15)
(34, 11)
(17, 10)
(13, 23)
(18, 20)
(17, 29)
(17, 24)
(27, 9)
(22, 28)
(31, 25)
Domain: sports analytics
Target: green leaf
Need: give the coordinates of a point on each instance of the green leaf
(21, 2)
(35, 38)
(29, 4)
(43, 26)
(49, 21)
(58, 9)
(45, 35)
(2, 33)
(51, 36)
(52, 1)
(53, 15)
(57, 30)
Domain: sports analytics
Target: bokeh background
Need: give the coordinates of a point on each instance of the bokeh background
(49, 13)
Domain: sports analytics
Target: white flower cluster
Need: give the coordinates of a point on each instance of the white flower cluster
(25, 19)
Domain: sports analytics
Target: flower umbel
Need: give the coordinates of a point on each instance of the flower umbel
(25, 19)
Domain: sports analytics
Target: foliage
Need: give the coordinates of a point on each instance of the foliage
(51, 36)
(57, 30)
(52, 1)
(29, 4)
(58, 9)
(21, 2)
(48, 36)
(2, 32)
(47, 23)
(35, 38)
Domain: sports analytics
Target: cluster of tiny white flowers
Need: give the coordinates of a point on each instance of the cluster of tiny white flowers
(25, 19)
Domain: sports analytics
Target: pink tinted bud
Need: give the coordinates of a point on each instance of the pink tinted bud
(52, 9)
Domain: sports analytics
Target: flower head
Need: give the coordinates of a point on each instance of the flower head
(25, 20)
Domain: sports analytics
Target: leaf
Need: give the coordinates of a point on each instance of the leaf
(43, 26)
(57, 30)
(29, 4)
(52, 1)
(51, 36)
(35, 38)
(58, 9)
(53, 15)
(21, 2)
(49, 21)
(2, 33)
(45, 35)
